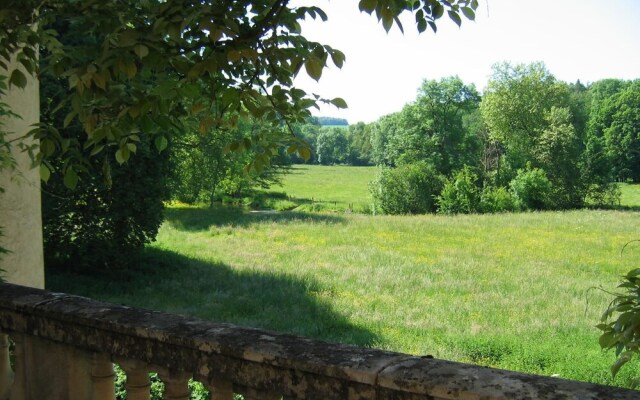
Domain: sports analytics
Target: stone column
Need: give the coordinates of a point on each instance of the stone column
(20, 210)
(21, 222)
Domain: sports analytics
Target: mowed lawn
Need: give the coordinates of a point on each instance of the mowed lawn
(514, 291)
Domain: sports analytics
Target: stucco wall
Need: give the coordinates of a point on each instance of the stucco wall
(20, 209)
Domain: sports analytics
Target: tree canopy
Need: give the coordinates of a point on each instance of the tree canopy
(152, 62)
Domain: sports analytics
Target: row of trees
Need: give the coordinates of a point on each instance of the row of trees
(530, 142)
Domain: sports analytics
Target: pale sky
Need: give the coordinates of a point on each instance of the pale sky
(576, 39)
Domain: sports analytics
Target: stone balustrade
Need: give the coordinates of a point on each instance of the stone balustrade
(65, 347)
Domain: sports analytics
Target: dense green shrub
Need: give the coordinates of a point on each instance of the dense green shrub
(496, 199)
(104, 224)
(531, 189)
(460, 194)
(408, 189)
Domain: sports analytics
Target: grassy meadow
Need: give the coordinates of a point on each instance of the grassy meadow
(333, 188)
(630, 196)
(514, 291)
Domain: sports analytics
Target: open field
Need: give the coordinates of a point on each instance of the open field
(328, 187)
(509, 291)
(630, 195)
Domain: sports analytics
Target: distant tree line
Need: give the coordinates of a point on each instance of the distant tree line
(530, 142)
(329, 121)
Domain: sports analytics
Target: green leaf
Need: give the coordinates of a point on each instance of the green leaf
(161, 143)
(122, 155)
(321, 13)
(96, 150)
(387, 19)
(368, 5)
(141, 50)
(132, 147)
(338, 58)
(399, 24)
(128, 38)
(339, 102)
(70, 178)
(45, 173)
(437, 10)
(622, 360)
(69, 118)
(314, 68)
(455, 17)
(469, 13)
(131, 69)
(47, 147)
(607, 340)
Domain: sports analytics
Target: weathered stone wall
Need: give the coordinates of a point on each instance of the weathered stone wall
(20, 209)
(272, 364)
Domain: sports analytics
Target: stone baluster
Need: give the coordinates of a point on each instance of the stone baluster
(19, 387)
(6, 373)
(138, 384)
(103, 377)
(220, 389)
(176, 384)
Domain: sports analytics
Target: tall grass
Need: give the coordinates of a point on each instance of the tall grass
(516, 291)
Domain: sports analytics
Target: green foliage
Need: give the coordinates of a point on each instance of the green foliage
(431, 129)
(115, 208)
(144, 66)
(105, 224)
(205, 169)
(620, 323)
(427, 12)
(558, 152)
(496, 199)
(460, 194)
(531, 189)
(360, 149)
(332, 146)
(622, 132)
(408, 189)
(516, 104)
(196, 389)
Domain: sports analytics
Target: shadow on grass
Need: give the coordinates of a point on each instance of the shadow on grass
(627, 208)
(166, 281)
(197, 219)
